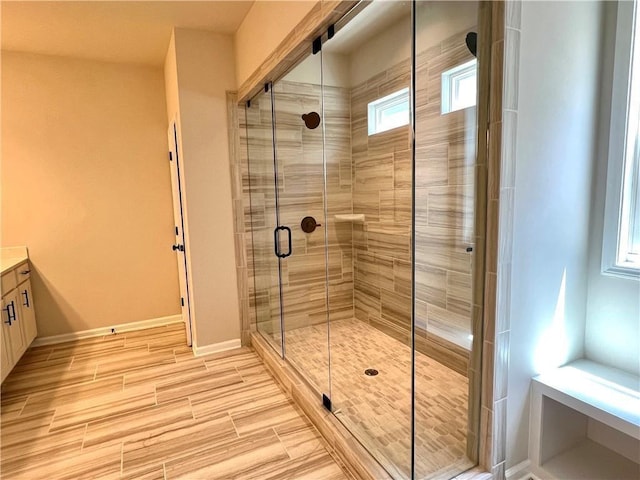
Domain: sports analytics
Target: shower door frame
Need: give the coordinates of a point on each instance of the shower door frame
(491, 437)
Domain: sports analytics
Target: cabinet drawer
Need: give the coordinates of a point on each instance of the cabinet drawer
(9, 282)
(23, 272)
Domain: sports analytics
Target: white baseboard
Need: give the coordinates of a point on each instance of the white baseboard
(216, 347)
(521, 471)
(99, 332)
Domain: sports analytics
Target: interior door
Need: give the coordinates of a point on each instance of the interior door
(179, 244)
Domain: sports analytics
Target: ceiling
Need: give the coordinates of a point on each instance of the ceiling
(374, 19)
(114, 31)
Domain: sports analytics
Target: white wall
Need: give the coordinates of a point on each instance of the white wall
(613, 307)
(334, 71)
(435, 21)
(199, 69)
(557, 112)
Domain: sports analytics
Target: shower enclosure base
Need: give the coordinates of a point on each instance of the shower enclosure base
(375, 408)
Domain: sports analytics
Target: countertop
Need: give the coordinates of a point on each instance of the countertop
(11, 257)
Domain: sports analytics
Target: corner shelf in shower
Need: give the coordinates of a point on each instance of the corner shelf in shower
(351, 217)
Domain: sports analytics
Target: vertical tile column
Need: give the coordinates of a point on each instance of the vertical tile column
(502, 121)
(237, 164)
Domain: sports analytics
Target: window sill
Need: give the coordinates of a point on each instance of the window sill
(627, 273)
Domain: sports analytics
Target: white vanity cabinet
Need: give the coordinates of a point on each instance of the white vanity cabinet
(18, 314)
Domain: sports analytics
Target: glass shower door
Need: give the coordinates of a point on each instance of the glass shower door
(298, 112)
(446, 367)
(263, 218)
(368, 162)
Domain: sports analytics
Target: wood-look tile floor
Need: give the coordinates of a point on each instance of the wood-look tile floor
(377, 409)
(139, 405)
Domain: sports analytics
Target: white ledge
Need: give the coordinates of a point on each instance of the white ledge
(351, 217)
(606, 394)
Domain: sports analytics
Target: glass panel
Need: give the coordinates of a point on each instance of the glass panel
(445, 163)
(300, 157)
(369, 207)
(263, 219)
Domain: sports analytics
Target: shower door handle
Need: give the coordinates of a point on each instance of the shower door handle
(276, 241)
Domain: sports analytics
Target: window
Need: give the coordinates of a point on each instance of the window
(389, 112)
(621, 236)
(459, 87)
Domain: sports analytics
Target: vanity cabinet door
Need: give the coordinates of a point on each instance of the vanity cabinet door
(27, 312)
(7, 361)
(12, 325)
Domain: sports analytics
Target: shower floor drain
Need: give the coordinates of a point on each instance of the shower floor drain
(371, 372)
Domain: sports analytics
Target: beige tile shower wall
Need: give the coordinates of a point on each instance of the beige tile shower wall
(302, 189)
(382, 192)
(257, 190)
(445, 156)
(301, 193)
(445, 181)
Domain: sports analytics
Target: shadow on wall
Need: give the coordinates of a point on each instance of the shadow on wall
(57, 308)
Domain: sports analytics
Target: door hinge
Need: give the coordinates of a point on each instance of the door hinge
(317, 45)
(170, 155)
(326, 402)
(182, 301)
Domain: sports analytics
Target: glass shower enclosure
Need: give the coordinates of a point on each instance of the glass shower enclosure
(362, 172)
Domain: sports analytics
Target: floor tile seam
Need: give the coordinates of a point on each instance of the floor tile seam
(124, 370)
(84, 437)
(121, 458)
(104, 416)
(284, 447)
(104, 356)
(139, 408)
(64, 355)
(58, 389)
(233, 424)
(53, 417)
(179, 455)
(193, 413)
(244, 380)
(23, 405)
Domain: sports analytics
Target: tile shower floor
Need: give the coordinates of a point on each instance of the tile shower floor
(377, 409)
